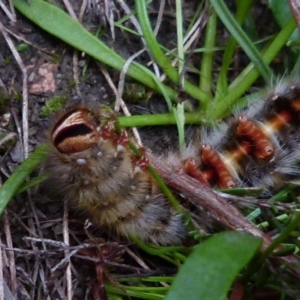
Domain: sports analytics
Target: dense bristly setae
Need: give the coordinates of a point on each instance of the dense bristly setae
(92, 167)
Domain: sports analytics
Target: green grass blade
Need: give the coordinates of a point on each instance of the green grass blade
(240, 36)
(222, 85)
(207, 61)
(211, 269)
(179, 29)
(246, 78)
(157, 120)
(14, 182)
(282, 237)
(159, 55)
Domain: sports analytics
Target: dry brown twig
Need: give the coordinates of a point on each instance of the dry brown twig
(250, 202)
(222, 211)
(11, 255)
(295, 7)
(119, 101)
(105, 11)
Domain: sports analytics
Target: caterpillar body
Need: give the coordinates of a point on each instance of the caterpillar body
(93, 168)
(257, 147)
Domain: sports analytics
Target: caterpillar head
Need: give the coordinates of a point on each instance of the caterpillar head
(75, 131)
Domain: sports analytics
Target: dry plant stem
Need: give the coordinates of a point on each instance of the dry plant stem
(192, 43)
(41, 274)
(142, 264)
(137, 259)
(12, 9)
(133, 19)
(24, 89)
(109, 14)
(70, 9)
(295, 7)
(21, 223)
(8, 137)
(159, 16)
(11, 255)
(67, 242)
(136, 24)
(246, 201)
(11, 15)
(226, 214)
(76, 72)
(19, 38)
(191, 39)
(82, 10)
(50, 242)
(195, 31)
(38, 270)
(121, 82)
(60, 291)
(155, 31)
(66, 262)
(15, 117)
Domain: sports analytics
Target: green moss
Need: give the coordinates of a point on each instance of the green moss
(52, 105)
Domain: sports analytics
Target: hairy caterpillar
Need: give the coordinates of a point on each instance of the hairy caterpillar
(257, 147)
(92, 166)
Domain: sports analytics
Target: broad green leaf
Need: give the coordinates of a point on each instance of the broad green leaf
(212, 267)
(240, 36)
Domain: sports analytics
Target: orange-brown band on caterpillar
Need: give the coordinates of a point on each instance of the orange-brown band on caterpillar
(259, 147)
(296, 105)
(192, 169)
(211, 158)
(262, 145)
(279, 121)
